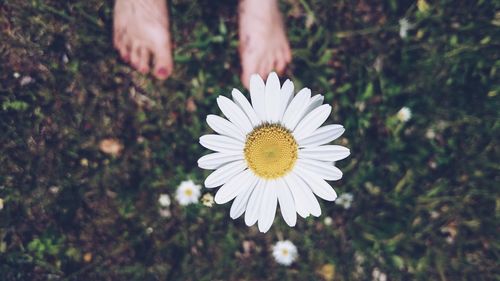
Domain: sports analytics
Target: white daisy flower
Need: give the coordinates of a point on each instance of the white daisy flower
(164, 200)
(404, 114)
(285, 252)
(272, 151)
(187, 193)
(345, 200)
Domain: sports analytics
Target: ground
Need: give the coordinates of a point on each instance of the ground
(426, 198)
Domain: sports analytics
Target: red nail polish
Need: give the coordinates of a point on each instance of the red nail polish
(126, 58)
(162, 72)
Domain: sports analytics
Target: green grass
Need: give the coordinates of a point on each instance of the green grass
(426, 197)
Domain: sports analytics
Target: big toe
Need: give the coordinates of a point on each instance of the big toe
(163, 63)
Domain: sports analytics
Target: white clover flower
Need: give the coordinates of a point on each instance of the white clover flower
(378, 275)
(188, 193)
(164, 200)
(345, 200)
(404, 26)
(207, 200)
(272, 151)
(285, 252)
(404, 114)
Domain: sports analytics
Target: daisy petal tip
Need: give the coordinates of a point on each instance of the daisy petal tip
(264, 228)
(273, 75)
(255, 78)
(218, 199)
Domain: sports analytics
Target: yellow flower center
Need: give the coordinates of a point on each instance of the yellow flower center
(284, 252)
(270, 151)
(188, 192)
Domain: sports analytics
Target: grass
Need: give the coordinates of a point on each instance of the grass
(426, 198)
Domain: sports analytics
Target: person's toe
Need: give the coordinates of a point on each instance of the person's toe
(266, 66)
(287, 54)
(144, 56)
(124, 49)
(249, 66)
(163, 64)
(134, 55)
(280, 63)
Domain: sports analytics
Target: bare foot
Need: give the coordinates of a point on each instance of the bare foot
(141, 35)
(263, 42)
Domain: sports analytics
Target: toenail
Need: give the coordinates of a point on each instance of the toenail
(162, 72)
(126, 58)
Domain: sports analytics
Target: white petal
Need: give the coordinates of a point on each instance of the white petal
(305, 202)
(234, 114)
(268, 207)
(314, 102)
(253, 208)
(241, 201)
(215, 160)
(325, 153)
(319, 186)
(257, 94)
(322, 136)
(221, 143)
(225, 173)
(243, 103)
(233, 187)
(286, 97)
(224, 127)
(312, 121)
(287, 205)
(326, 170)
(273, 98)
(297, 107)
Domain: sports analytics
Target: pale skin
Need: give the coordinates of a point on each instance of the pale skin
(141, 34)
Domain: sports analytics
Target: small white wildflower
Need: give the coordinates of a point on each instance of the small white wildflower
(208, 200)
(26, 80)
(84, 162)
(54, 189)
(345, 200)
(430, 134)
(378, 64)
(285, 252)
(378, 275)
(360, 105)
(188, 192)
(16, 75)
(450, 240)
(149, 230)
(434, 215)
(404, 26)
(404, 114)
(328, 221)
(165, 213)
(1, 204)
(65, 59)
(164, 200)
